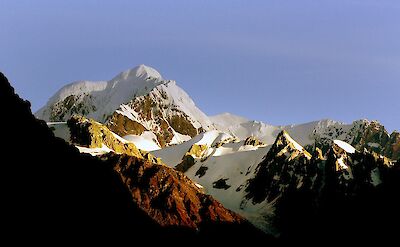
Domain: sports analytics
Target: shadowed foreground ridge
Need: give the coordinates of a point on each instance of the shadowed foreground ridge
(51, 191)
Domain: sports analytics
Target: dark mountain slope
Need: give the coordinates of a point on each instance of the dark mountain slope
(50, 190)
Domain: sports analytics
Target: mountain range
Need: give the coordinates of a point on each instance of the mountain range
(140, 103)
(181, 169)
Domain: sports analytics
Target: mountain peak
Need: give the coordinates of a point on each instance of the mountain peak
(226, 120)
(285, 139)
(141, 71)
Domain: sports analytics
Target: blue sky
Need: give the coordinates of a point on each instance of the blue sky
(281, 62)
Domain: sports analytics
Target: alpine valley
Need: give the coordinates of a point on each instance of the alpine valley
(137, 152)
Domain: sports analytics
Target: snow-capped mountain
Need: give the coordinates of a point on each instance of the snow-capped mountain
(134, 102)
(361, 133)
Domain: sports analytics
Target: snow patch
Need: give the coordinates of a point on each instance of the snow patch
(295, 144)
(345, 146)
(199, 186)
(142, 142)
(208, 138)
(179, 138)
(95, 151)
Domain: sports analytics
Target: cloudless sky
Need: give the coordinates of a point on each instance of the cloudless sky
(280, 62)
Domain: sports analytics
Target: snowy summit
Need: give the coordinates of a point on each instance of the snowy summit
(141, 71)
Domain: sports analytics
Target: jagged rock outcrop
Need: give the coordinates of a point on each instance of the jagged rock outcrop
(352, 171)
(361, 134)
(195, 152)
(286, 164)
(156, 112)
(123, 125)
(91, 134)
(253, 141)
(374, 137)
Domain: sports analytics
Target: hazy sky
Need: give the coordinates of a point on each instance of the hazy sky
(281, 62)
